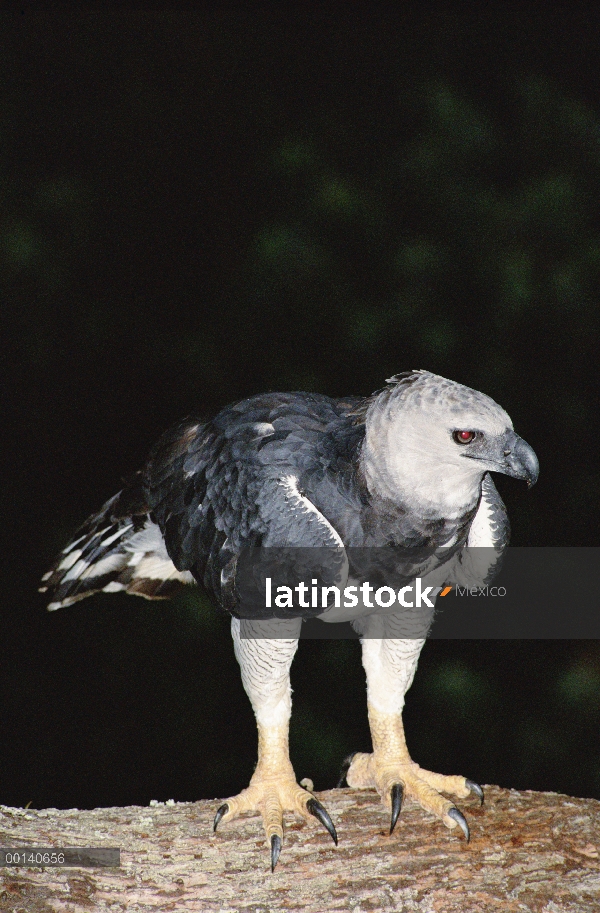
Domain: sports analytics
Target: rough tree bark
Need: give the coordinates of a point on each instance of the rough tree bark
(529, 851)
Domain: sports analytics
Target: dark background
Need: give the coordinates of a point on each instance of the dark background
(195, 207)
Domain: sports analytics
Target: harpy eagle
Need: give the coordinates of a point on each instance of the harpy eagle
(407, 466)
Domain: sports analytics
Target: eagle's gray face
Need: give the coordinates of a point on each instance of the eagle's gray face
(430, 441)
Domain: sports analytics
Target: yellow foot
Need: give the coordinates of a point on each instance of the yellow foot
(395, 778)
(271, 797)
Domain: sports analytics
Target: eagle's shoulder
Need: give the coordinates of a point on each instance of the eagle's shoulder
(204, 480)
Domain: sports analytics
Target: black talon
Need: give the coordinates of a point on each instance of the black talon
(221, 812)
(461, 821)
(397, 796)
(475, 788)
(322, 815)
(275, 850)
(345, 768)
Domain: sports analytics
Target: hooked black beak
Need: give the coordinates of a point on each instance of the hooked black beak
(509, 454)
(520, 460)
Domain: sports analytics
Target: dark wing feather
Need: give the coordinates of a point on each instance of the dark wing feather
(216, 490)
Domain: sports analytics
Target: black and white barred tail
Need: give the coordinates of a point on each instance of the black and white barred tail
(119, 549)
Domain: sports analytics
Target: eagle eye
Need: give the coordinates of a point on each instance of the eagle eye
(464, 437)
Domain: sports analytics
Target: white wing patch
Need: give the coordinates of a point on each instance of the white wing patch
(100, 568)
(124, 561)
(67, 561)
(301, 505)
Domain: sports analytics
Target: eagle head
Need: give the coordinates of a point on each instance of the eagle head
(429, 441)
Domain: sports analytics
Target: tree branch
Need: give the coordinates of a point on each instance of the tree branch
(528, 852)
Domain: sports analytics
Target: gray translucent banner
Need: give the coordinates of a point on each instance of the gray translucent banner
(69, 857)
(469, 593)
